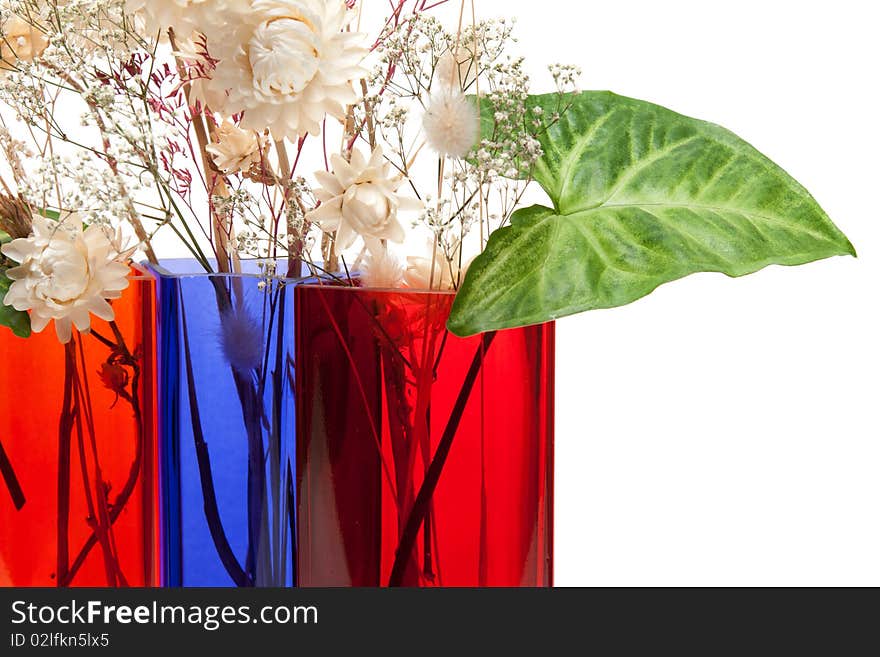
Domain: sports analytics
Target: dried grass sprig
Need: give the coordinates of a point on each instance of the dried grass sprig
(15, 216)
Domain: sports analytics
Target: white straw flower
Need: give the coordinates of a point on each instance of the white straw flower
(437, 272)
(65, 274)
(360, 199)
(451, 123)
(235, 149)
(287, 64)
(19, 40)
(383, 269)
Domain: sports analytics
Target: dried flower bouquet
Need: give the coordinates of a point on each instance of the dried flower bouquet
(195, 118)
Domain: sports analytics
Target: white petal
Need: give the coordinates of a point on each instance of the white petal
(344, 171)
(358, 161)
(329, 182)
(345, 236)
(101, 309)
(63, 330)
(38, 322)
(356, 213)
(80, 318)
(377, 158)
(18, 249)
(394, 232)
(324, 195)
(407, 203)
(18, 297)
(17, 273)
(327, 214)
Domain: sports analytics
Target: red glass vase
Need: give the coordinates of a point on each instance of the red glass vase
(423, 459)
(78, 451)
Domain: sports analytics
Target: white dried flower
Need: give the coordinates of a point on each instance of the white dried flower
(451, 124)
(235, 149)
(66, 273)
(566, 77)
(360, 199)
(437, 271)
(287, 64)
(383, 269)
(19, 40)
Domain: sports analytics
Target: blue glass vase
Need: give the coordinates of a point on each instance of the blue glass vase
(226, 391)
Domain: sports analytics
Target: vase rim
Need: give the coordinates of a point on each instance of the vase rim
(377, 290)
(170, 268)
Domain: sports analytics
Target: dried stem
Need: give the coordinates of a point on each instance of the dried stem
(432, 477)
(295, 238)
(11, 481)
(221, 225)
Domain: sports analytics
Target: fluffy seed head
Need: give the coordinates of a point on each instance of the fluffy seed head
(241, 340)
(451, 124)
(382, 269)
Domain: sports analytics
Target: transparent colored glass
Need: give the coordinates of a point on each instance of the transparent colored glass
(227, 426)
(423, 459)
(78, 461)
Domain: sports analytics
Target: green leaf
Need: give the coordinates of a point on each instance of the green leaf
(18, 321)
(642, 196)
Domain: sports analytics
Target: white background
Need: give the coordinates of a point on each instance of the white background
(726, 431)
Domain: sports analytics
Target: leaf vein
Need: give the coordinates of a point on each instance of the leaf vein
(643, 164)
(578, 151)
